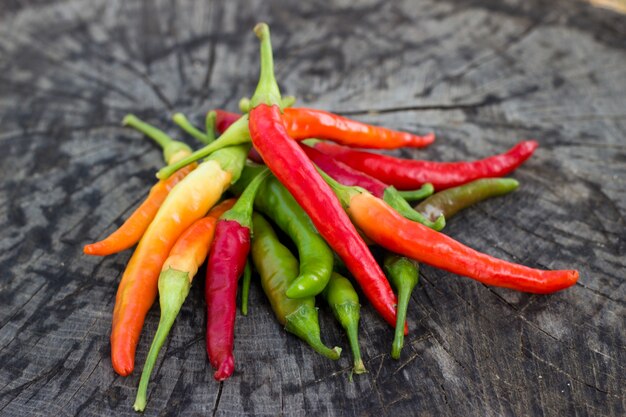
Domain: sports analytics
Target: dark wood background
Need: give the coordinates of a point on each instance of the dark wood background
(481, 74)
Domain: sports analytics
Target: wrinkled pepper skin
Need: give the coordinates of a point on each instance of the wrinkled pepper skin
(406, 174)
(227, 260)
(393, 232)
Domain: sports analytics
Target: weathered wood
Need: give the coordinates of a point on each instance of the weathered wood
(482, 74)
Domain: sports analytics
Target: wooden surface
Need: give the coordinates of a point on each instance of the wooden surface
(481, 74)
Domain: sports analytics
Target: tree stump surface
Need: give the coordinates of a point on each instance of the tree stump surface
(480, 74)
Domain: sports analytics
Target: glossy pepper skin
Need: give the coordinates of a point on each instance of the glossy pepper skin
(344, 303)
(448, 202)
(175, 279)
(406, 174)
(227, 261)
(277, 267)
(316, 258)
(393, 232)
(129, 233)
(188, 201)
(349, 176)
(294, 170)
(403, 274)
(303, 123)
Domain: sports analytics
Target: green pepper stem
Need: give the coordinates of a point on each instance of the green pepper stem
(184, 123)
(267, 91)
(404, 294)
(241, 212)
(403, 273)
(174, 287)
(169, 145)
(245, 288)
(343, 192)
(209, 124)
(287, 101)
(425, 191)
(236, 134)
(399, 204)
(348, 314)
(304, 323)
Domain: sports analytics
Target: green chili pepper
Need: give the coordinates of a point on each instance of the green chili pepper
(277, 267)
(403, 274)
(316, 258)
(344, 302)
(450, 201)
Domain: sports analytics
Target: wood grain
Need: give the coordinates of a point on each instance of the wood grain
(481, 74)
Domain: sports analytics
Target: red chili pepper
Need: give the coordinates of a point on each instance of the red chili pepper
(304, 123)
(406, 174)
(384, 226)
(295, 171)
(227, 260)
(223, 120)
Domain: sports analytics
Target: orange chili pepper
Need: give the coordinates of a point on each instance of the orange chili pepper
(186, 203)
(392, 231)
(175, 279)
(129, 233)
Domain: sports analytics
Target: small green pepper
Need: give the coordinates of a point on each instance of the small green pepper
(344, 302)
(403, 274)
(316, 258)
(277, 268)
(449, 202)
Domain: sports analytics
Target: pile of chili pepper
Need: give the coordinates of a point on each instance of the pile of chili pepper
(296, 169)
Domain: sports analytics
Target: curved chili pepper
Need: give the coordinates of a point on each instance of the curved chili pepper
(181, 120)
(294, 170)
(316, 258)
(277, 267)
(186, 203)
(349, 176)
(448, 202)
(403, 274)
(384, 226)
(178, 271)
(344, 302)
(129, 233)
(227, 261)
(406, 174)
(304, 123)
